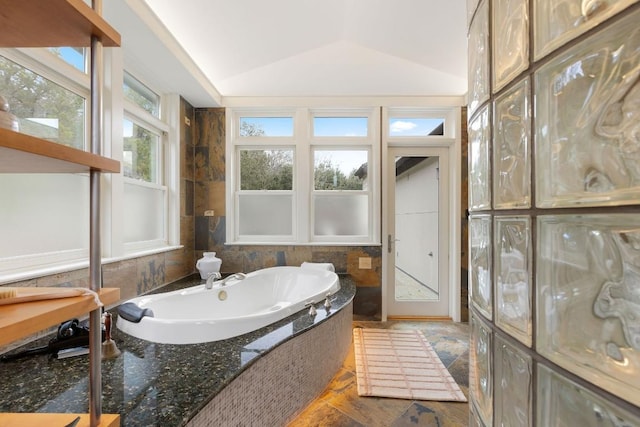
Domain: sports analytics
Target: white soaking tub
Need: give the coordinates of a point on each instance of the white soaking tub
(196, 314)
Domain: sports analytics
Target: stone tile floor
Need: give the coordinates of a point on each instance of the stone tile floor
(340, 406)
(407, 288)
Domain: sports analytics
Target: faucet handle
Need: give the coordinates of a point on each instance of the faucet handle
(327, 301)
(312, 308)
(214, 275)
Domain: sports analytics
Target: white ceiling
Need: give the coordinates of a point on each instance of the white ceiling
(297, 48)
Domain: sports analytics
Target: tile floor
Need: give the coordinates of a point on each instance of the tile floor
(340, 406)
(407, 288)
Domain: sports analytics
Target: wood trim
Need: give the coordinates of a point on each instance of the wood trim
(51, 23)
(13, 419)
(20, 320)
(22, 153)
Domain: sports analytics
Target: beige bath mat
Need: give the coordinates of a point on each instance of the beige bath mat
(401, 364)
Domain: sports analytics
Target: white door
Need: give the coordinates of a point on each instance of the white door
(417, 216)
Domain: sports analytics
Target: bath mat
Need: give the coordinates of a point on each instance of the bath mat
(401, 364)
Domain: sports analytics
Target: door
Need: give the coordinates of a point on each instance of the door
(417, 225)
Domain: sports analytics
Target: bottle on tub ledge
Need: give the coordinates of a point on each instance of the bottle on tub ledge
(208, 264)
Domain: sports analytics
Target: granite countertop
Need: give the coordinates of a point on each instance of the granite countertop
(151, 383)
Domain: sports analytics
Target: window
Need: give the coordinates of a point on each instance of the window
(145, 194)
(140, 152)
(302, 176)
(266, 126)
(74, 56)
(44, 217)
(139, 94)
(415, 126)
(43, 108)
(419, 124)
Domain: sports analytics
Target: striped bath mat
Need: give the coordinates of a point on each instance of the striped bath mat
(401, 364)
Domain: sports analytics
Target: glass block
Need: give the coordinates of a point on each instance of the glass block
(480, 370)
(558, 21)
(478, 56)
(513, 385)
(588, 298)
(587, 121)
(474, 418)
(511, 148)
(479, 167)
(471, 8)
(513, 276)
(562, 402)
(480, 263)
(510, 40)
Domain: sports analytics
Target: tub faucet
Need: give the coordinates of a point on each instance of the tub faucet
(211, 278)
(237, 276)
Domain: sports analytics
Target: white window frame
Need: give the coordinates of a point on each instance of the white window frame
(370, 143)
(49, 66)
(143, 118)
(302, 142)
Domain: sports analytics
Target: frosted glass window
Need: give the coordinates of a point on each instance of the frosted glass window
(37, 216)
(340, 169)
(145, 216)
(266, 126)
(341, 215)
(266, 214)
(266, 169)
(340, 126)
(44, 109)
(412, 126)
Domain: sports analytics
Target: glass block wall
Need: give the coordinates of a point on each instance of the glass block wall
(554, 201)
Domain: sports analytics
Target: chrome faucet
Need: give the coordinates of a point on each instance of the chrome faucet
(211, 280)
(237, 276)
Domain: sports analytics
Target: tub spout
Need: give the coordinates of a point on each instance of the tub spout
(210, 279)
(237, 276)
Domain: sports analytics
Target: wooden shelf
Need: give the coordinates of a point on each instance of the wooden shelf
(22, 153)
(12, 419)
(53, 23)
(20, 320)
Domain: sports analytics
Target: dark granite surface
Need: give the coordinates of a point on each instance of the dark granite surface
(151, 384)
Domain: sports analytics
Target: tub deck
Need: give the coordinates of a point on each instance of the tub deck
(151, 383)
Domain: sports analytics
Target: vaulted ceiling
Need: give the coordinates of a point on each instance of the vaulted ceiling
(300, 48)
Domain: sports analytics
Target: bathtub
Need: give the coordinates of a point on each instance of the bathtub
(196, 314)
